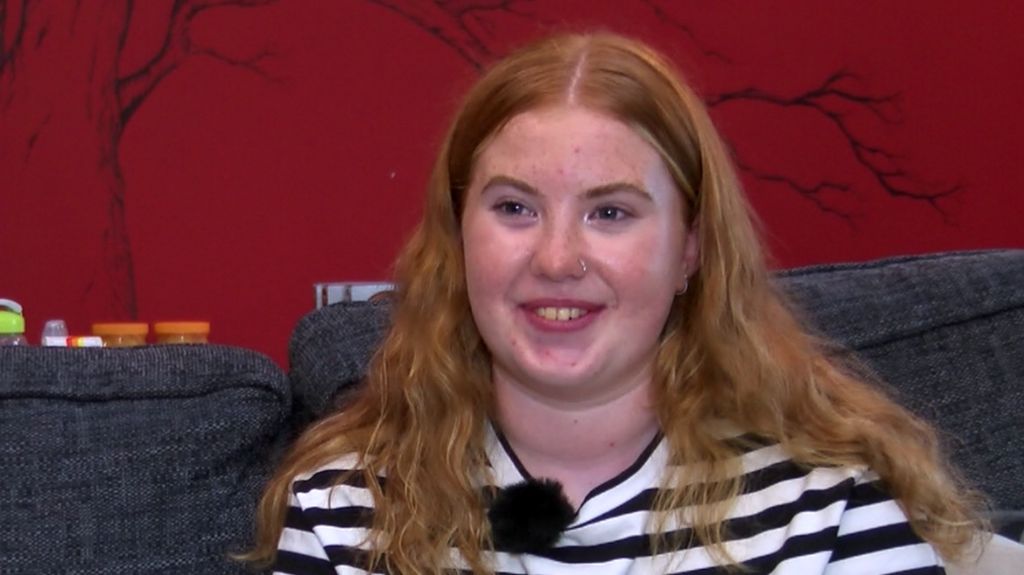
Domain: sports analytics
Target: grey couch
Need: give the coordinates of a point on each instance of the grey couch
(150, 460)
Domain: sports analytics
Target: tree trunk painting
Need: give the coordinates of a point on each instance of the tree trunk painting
(64, 105)
(61, 123)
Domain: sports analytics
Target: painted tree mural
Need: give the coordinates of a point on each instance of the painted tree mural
(64, 104)
(470, 27)
(67, 96)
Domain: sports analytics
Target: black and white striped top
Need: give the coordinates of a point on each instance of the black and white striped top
(789, 520)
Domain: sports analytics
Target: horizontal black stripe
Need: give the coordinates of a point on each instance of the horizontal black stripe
(299, 564)
(748, 442)
(795, 546)
(351, 516)
(929, 570)
(332, 477)
(765, 477)
(359, 559)
(353, 557)
(868, 493)
(875, 539)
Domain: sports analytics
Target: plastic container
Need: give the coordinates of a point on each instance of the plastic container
(12, 323)
(121, 334)
(55, 333)
(182, 331)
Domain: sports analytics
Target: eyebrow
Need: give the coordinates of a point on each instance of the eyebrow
(592, 193)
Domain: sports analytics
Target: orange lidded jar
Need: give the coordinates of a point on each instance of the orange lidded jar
(121, 334)
(181, 331)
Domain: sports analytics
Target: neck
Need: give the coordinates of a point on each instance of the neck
(580, 446)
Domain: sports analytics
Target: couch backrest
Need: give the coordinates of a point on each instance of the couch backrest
(144, 460)
(945, 331)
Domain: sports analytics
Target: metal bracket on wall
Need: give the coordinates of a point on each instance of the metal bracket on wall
(327, 293)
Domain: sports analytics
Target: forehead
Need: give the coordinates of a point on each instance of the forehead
(568, 140)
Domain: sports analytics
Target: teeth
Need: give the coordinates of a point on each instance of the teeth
(560, 313)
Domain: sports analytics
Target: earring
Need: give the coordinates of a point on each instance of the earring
(583, 265)
(686, 283)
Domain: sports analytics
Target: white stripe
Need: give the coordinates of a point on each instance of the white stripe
(770, 541)
(303, 542)
(355, 537)
(336, 497)
(760, 458)
(789, 491)
(879, 514)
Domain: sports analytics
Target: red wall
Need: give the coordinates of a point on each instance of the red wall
(219, 170)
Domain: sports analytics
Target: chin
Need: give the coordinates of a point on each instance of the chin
(561, 378)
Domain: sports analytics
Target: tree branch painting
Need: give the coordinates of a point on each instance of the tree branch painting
(60, 81)
(832, 100)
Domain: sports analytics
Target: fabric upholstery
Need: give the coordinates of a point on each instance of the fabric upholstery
(946, 332)
(329, 352)
(143, 460)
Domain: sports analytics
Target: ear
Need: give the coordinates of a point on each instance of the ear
(691, 255)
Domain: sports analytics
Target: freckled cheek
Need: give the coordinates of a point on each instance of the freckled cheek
(480, 275)
(642, 267)
(489, 270)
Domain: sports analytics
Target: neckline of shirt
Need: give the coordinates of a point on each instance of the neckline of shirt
(644, 472)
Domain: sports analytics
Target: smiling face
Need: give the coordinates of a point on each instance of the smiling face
(574, 245)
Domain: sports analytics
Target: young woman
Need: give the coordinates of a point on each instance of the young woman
(590, 370)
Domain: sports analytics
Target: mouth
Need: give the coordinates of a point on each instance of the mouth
(560, 313)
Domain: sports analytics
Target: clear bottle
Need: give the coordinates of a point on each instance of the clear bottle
(55, 333)
(181, 331)
(12, 323)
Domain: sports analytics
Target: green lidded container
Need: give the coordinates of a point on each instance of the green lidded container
(12, 323)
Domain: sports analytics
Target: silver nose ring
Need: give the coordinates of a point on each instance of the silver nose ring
(583, 265)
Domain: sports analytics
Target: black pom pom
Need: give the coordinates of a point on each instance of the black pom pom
(528, 517)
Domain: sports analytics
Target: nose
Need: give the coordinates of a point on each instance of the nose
(560, 250)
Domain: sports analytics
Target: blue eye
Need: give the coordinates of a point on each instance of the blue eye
(609, 213)
(512, 208)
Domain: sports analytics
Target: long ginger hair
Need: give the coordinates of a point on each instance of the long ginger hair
(732, 348)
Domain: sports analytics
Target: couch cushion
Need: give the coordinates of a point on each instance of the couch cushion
(143, 460)
(946, 331)
(329, 352)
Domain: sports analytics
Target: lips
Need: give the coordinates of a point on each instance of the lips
(560, 314)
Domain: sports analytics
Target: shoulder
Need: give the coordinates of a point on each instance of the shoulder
(853, 493)
(327, 522)
(874, 530)
(841, 515)
(338, 484)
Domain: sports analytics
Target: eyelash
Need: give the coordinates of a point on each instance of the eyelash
(512, 208)
(619, 214)
(515, 209)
